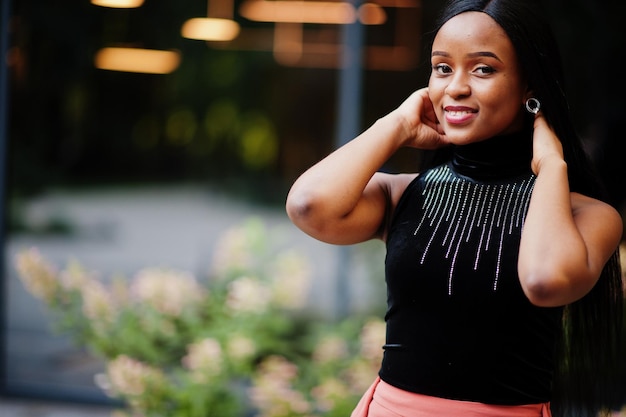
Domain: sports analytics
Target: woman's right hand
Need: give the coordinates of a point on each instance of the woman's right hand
(343, 199)
(417, 115)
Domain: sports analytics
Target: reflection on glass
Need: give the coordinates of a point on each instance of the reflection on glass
(298, 11)
(210, 29)
(122, 4)
(149, 61)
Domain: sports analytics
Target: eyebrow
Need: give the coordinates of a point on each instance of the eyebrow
(470, 55)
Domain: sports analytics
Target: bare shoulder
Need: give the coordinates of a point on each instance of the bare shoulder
(583, 203)
(597, 213)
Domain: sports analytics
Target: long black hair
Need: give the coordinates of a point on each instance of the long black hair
(589, 349)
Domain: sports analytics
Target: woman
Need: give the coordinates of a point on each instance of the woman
(504, 289)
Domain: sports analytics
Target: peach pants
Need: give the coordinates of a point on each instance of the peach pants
(384, 400)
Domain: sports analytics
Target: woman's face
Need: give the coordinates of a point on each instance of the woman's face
(476, 86)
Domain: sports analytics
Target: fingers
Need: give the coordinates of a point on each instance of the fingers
(420, 120)
(426, 110)
(545, 141)
(542, 128)
(540, 121)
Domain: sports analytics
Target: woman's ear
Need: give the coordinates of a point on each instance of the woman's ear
(529, 94)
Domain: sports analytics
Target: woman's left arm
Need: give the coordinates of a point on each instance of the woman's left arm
(567, 237)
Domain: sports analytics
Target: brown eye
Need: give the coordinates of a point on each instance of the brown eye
(485, 70)
(442, 69)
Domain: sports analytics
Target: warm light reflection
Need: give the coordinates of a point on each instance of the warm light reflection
(295, 41)
(210, 29)
(148, 61)
(390, 58)
(288, 43)
(122, 4)
(372, 14)
(293, 11)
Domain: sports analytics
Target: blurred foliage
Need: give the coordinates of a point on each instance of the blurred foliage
(237, 342)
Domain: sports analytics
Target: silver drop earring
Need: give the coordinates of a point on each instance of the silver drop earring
(533, 105)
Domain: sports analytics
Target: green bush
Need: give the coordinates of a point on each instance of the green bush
(235, 343)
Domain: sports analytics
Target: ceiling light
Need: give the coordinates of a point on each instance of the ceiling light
(149, 61)
(294, 11)
(210, 29)
(122, 4)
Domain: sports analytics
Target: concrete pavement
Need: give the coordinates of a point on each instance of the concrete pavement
(29, 408)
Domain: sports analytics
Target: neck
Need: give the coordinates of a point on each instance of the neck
(497, 157)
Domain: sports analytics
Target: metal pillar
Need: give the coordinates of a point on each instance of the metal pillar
(348, 126)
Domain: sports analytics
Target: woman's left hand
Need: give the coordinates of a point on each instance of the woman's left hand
(545, 143)
(567, 237)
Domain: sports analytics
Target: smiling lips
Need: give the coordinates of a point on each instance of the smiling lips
(458, 115)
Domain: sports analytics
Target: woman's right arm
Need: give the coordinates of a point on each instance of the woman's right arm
(342, 199)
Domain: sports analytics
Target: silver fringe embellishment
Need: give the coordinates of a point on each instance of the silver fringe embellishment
(464, 207)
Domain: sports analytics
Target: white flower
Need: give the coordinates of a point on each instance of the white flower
(360, 375)
(272, 392)
(232, 251)
(291, 280)
(74, 277)
(248, 294)
(204, 359)
(97, 302)
(168, 291)
(129, 377)
(328, 391)
(372, 339)
(329, 349)
(39, 276)
(241, 347)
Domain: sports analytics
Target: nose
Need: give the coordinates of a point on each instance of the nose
(458, 85)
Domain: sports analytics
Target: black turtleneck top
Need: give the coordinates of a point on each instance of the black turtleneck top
(458, 324)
